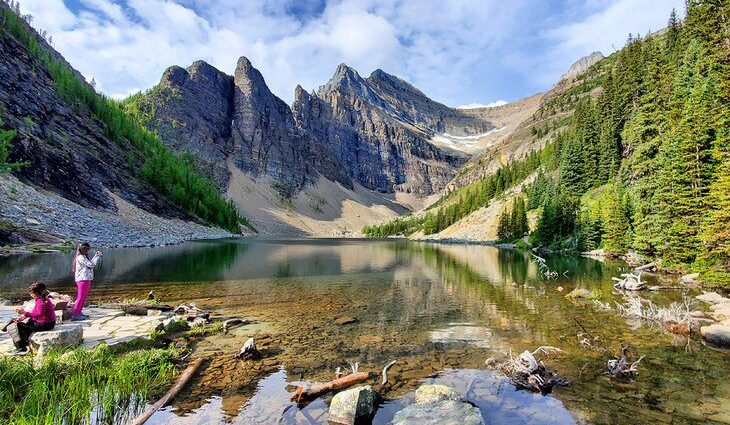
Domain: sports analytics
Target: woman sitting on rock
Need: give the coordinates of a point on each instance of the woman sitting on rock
(83, 274)
(41, 318)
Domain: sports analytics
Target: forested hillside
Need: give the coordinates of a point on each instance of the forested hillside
(643, 163)
(123, 152)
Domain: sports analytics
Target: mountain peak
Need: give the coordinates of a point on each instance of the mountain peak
(345, 78)
(174, 75)
(382, 79)
(581, 65)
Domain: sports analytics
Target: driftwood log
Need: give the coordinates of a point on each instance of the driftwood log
(228, 324)
(141, 309)
(182, 380)
(315, 390)
(629, 282)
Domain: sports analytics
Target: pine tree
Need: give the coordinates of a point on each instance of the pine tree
(615, 236)
(503, 226)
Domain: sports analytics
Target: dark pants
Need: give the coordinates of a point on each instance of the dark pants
(25, 329)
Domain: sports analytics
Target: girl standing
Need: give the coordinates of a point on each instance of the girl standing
(41, 318)
(83, 274)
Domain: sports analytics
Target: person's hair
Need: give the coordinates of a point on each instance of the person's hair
(39, 289)
(79, 247)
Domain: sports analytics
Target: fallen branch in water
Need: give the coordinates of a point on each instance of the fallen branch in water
(315, 390)
(182, 380)
(630, 282)
(621, 367)
(526, 371)
(249, 351)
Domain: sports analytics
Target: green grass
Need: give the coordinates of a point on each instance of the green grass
(68, 387)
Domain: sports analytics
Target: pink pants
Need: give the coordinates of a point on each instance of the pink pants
(83, 287)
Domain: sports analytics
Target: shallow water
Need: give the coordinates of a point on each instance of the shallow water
(439, 310)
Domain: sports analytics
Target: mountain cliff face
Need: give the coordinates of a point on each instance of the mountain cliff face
(66, 148)
(374, 132)
(82, 176)
(378, 134)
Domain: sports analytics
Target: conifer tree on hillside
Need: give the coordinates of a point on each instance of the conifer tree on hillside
(503, 226)
(615, 222)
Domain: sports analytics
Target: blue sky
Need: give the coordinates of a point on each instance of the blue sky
(458, 52)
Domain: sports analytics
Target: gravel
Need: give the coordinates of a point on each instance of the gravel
(38, 210)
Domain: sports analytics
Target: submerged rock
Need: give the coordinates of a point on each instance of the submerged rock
(353, 405)
(435, 393)
(345, 320)
(578, 293)
(713, 298)
(717, 334)
(449, 412)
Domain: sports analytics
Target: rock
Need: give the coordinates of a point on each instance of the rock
(697, 314)
(717, 334)
(712, 298)
(720, 311)
(448, 412)
(435, 393)
(581, 65)
(356, 405)
(345, 320)
(689, 278)
(61, 336)
(370, 339)
(578, 293)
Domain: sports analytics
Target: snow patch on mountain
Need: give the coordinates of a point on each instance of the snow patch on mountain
(461, 142)
(475, 105)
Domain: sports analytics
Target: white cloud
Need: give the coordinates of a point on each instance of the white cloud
(475, 105)
(455, 51)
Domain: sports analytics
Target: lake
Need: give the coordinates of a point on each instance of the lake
(439, 310)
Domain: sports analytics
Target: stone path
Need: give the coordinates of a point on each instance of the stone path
(104, 325)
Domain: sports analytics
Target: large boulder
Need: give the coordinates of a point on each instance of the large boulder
(718, 334)
(353, 405)
(61, 336)
(435, 393)
(449, 412)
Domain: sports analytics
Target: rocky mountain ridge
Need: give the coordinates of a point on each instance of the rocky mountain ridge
(371, 131)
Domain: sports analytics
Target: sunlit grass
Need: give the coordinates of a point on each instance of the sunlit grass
(73, 386)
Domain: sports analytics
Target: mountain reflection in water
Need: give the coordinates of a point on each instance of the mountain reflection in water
(439, 310)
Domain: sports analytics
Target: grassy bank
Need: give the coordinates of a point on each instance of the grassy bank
(82, 386)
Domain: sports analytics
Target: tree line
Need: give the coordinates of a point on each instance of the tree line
(642, 164)
(645, 165)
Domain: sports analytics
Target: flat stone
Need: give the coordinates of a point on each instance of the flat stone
(712, 298)
(689, 278)
(435, 393)
(717, 334)
(61, 336)
(448, 412)
(370, 339)
(720, 311)
(578, 293)
(345, 320)
(352, 406)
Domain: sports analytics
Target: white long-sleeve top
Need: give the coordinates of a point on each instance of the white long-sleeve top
(85, 267)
